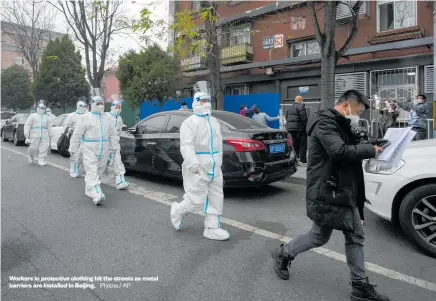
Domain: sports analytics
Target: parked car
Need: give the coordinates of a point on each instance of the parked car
(57, 130)
(253, 154)
(406, 194)
(14, 129)
(5, 115)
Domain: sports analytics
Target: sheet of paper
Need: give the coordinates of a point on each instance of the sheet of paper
(396, 136)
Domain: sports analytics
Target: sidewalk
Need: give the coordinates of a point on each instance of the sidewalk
(298, 178)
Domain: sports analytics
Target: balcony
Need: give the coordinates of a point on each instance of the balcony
(195, 62)
(238, 54)
(401, 34)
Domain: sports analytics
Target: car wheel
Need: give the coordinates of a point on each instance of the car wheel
(418, 217)
(3, 136)
(16, 141)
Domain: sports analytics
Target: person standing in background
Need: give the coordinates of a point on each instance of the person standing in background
(263, 118)
(247, 112)
(418, 112)
(389, 115)
(296, 121)
(50, 115)
(184, 106)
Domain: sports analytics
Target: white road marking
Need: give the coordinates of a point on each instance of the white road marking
(165, 198)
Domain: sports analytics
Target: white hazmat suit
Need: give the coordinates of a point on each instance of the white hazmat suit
(115, 165)
(93, 132)
(37, 129)
(201, 147)
(51, 116)
(70, 123)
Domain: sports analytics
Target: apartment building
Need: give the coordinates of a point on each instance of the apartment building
(11, 54)
(270, 47)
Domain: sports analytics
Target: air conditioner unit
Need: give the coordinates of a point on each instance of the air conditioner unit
(269, 71)
(344, 9)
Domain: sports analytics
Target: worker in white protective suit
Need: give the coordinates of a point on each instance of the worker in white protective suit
(70, 123)
(115, 165)
(50, 115)
(93, 132)
(37, 130)
(201, 146)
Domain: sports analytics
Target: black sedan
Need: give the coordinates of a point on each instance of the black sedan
(253, 154)
(14, 129)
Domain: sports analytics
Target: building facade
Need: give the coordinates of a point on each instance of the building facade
(11, 54)
(270, 47)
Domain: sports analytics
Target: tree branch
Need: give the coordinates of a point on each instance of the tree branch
(354, 30)
(319, 36)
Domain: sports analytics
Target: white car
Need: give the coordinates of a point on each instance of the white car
(406, 194)
(57, 130)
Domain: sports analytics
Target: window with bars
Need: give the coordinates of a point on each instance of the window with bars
(429, 79)
(351, 81)
(304, 48)
(235, 34)
(240, 89)
(196, 6)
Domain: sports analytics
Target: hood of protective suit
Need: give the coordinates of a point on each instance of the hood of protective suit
(40, 109)
(116, 108)
(198, 108)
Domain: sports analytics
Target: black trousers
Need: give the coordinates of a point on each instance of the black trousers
(299, 139)
(421, 134)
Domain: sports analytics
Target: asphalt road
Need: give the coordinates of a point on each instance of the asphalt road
(50, 228)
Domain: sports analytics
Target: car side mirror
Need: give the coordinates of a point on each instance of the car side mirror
(124, 128)
(133, 130)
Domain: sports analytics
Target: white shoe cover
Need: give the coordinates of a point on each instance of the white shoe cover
(74, 175)
(41, 162)
(176, 219)
(216, 234)
(123, 185)
(98, 199)
(30, 159)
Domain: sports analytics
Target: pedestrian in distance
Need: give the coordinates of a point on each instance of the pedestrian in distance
(201, 145)
(263, 118)
(50, 115)
(335, 191)
(70, 124)
(38, 130)
(296, 122)
(115, 165)
(94, 132)
(418, 112)
(184, 107)
(244, 111)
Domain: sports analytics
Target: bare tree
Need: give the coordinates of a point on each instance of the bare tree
(326, 41)
(29, 24)
(94, 23)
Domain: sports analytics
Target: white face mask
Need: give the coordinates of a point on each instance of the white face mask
(97, 109)
(206, 108)
(417, 101)
(81, 110)
(40, 111)
(354, 119)
(116, 111)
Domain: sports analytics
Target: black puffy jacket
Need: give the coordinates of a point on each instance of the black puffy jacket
(335, 183)
(296, 118)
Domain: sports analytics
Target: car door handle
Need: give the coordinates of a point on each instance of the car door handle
(151, 143)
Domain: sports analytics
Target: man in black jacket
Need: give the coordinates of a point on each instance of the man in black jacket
(335, 193)
(296, 121)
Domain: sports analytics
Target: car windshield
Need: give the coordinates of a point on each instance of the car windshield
(22, 118)
(237, 121)
(7, 115)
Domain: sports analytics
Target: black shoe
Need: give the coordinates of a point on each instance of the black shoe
(281, 262)
(363, 291)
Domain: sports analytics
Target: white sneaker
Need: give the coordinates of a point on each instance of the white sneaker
(176, 219)
(216, 234)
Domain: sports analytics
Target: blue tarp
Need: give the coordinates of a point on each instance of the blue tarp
(268, 103)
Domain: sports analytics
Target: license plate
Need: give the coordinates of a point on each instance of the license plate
(277, 148)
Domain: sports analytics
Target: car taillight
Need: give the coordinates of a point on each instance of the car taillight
(289, 141)
(245, 145)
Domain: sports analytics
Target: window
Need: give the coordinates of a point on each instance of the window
(233, 90)
(395, 14)
(19, 60)
(153, 125)
(175, 123)
(304, 48)
(238, 121)
(240, 34)
(58, 121)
